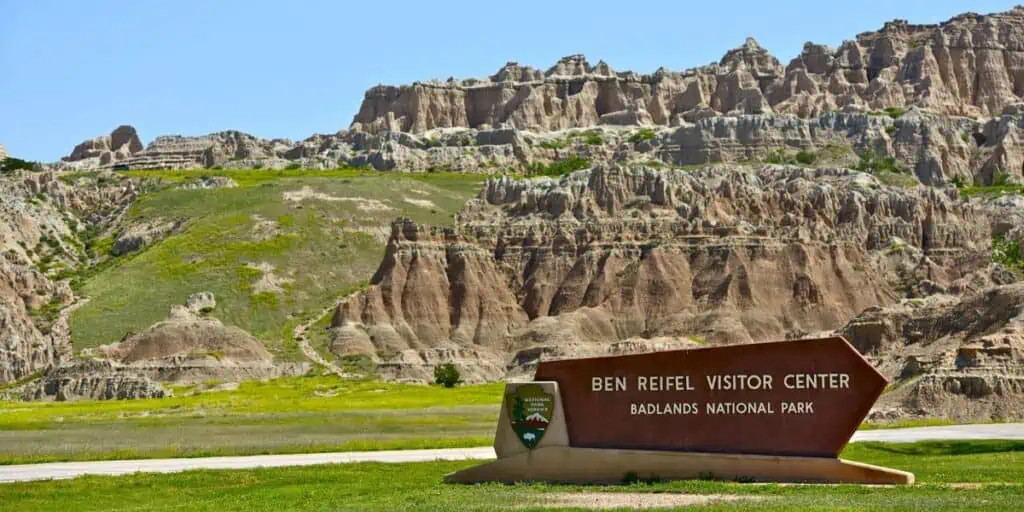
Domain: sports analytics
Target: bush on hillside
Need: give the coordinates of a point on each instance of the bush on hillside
(806, 157)
(447, 375)
(643, 135)
(1007, 253)
(12, 164)
(871, 162)
(558, 167)
(894, 112)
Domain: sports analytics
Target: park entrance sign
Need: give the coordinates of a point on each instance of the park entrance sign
(791, 398)
(780, 411)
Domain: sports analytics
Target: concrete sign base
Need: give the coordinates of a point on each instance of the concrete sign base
(610, 466)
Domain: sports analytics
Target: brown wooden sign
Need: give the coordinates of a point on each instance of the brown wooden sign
(804, 397)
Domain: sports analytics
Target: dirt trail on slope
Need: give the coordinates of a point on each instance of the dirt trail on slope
(303, 340)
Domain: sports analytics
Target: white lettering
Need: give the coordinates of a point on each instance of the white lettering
(817, 381)
(738, 408)
(797, 407)
(739, 382)
(661, 409)
(607, 383)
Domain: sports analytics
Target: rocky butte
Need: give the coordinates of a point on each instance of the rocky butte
(745, 200)
(942, 100)
(968, 66)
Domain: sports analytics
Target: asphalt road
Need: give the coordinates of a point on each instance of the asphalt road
(62, 470)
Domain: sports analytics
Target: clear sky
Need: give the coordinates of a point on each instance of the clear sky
(74, 69)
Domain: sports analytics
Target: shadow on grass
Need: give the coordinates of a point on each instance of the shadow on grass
(947, 447)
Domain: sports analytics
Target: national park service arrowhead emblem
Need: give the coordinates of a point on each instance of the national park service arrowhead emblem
(529, 411)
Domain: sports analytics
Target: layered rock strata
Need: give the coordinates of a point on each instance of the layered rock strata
(720, 255)
(949, 356)
(41, 218)
(969, 65)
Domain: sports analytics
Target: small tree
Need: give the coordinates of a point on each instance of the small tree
(447, 375)
(12, 164)
(518, 409)
(806, 157)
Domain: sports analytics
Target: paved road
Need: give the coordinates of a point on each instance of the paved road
(62, 470)
(909, 435)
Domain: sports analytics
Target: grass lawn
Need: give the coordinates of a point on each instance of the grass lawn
(994, 468)
(274, 251)
(288, 415)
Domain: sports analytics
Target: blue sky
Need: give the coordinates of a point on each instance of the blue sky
(71, 69)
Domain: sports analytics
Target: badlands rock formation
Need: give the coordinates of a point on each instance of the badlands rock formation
(40, 218)
(122, 148)
(26, 346)
(632, 254)
(959, 83)
(954, 357)
(92, 379)
(190, 346)
(722, 255)
(936, 148)
(121, 144)
(968, 66)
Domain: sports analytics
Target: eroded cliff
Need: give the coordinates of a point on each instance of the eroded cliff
(719, 255)
(971, 65)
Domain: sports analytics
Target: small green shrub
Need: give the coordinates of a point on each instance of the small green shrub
(897, 179)
(871, 162)
(644, 134)
(361, 365)
(836, 151)
(293, 166)
(1000, 179)
(593, 139)
(894, 112)
(257, 165)
(12, 164)
(447, 375)
(558, 167)
(891, 129)
(554, 144)
(806, 157)
(776, 157)
(1007, 252)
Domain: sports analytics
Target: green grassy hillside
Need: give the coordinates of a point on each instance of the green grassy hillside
(275, 250)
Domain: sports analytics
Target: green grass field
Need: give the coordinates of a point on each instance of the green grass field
(288, 415)
(980, 475)
(321, 234)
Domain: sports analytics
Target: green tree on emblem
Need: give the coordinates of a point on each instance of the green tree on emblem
(518, 410)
